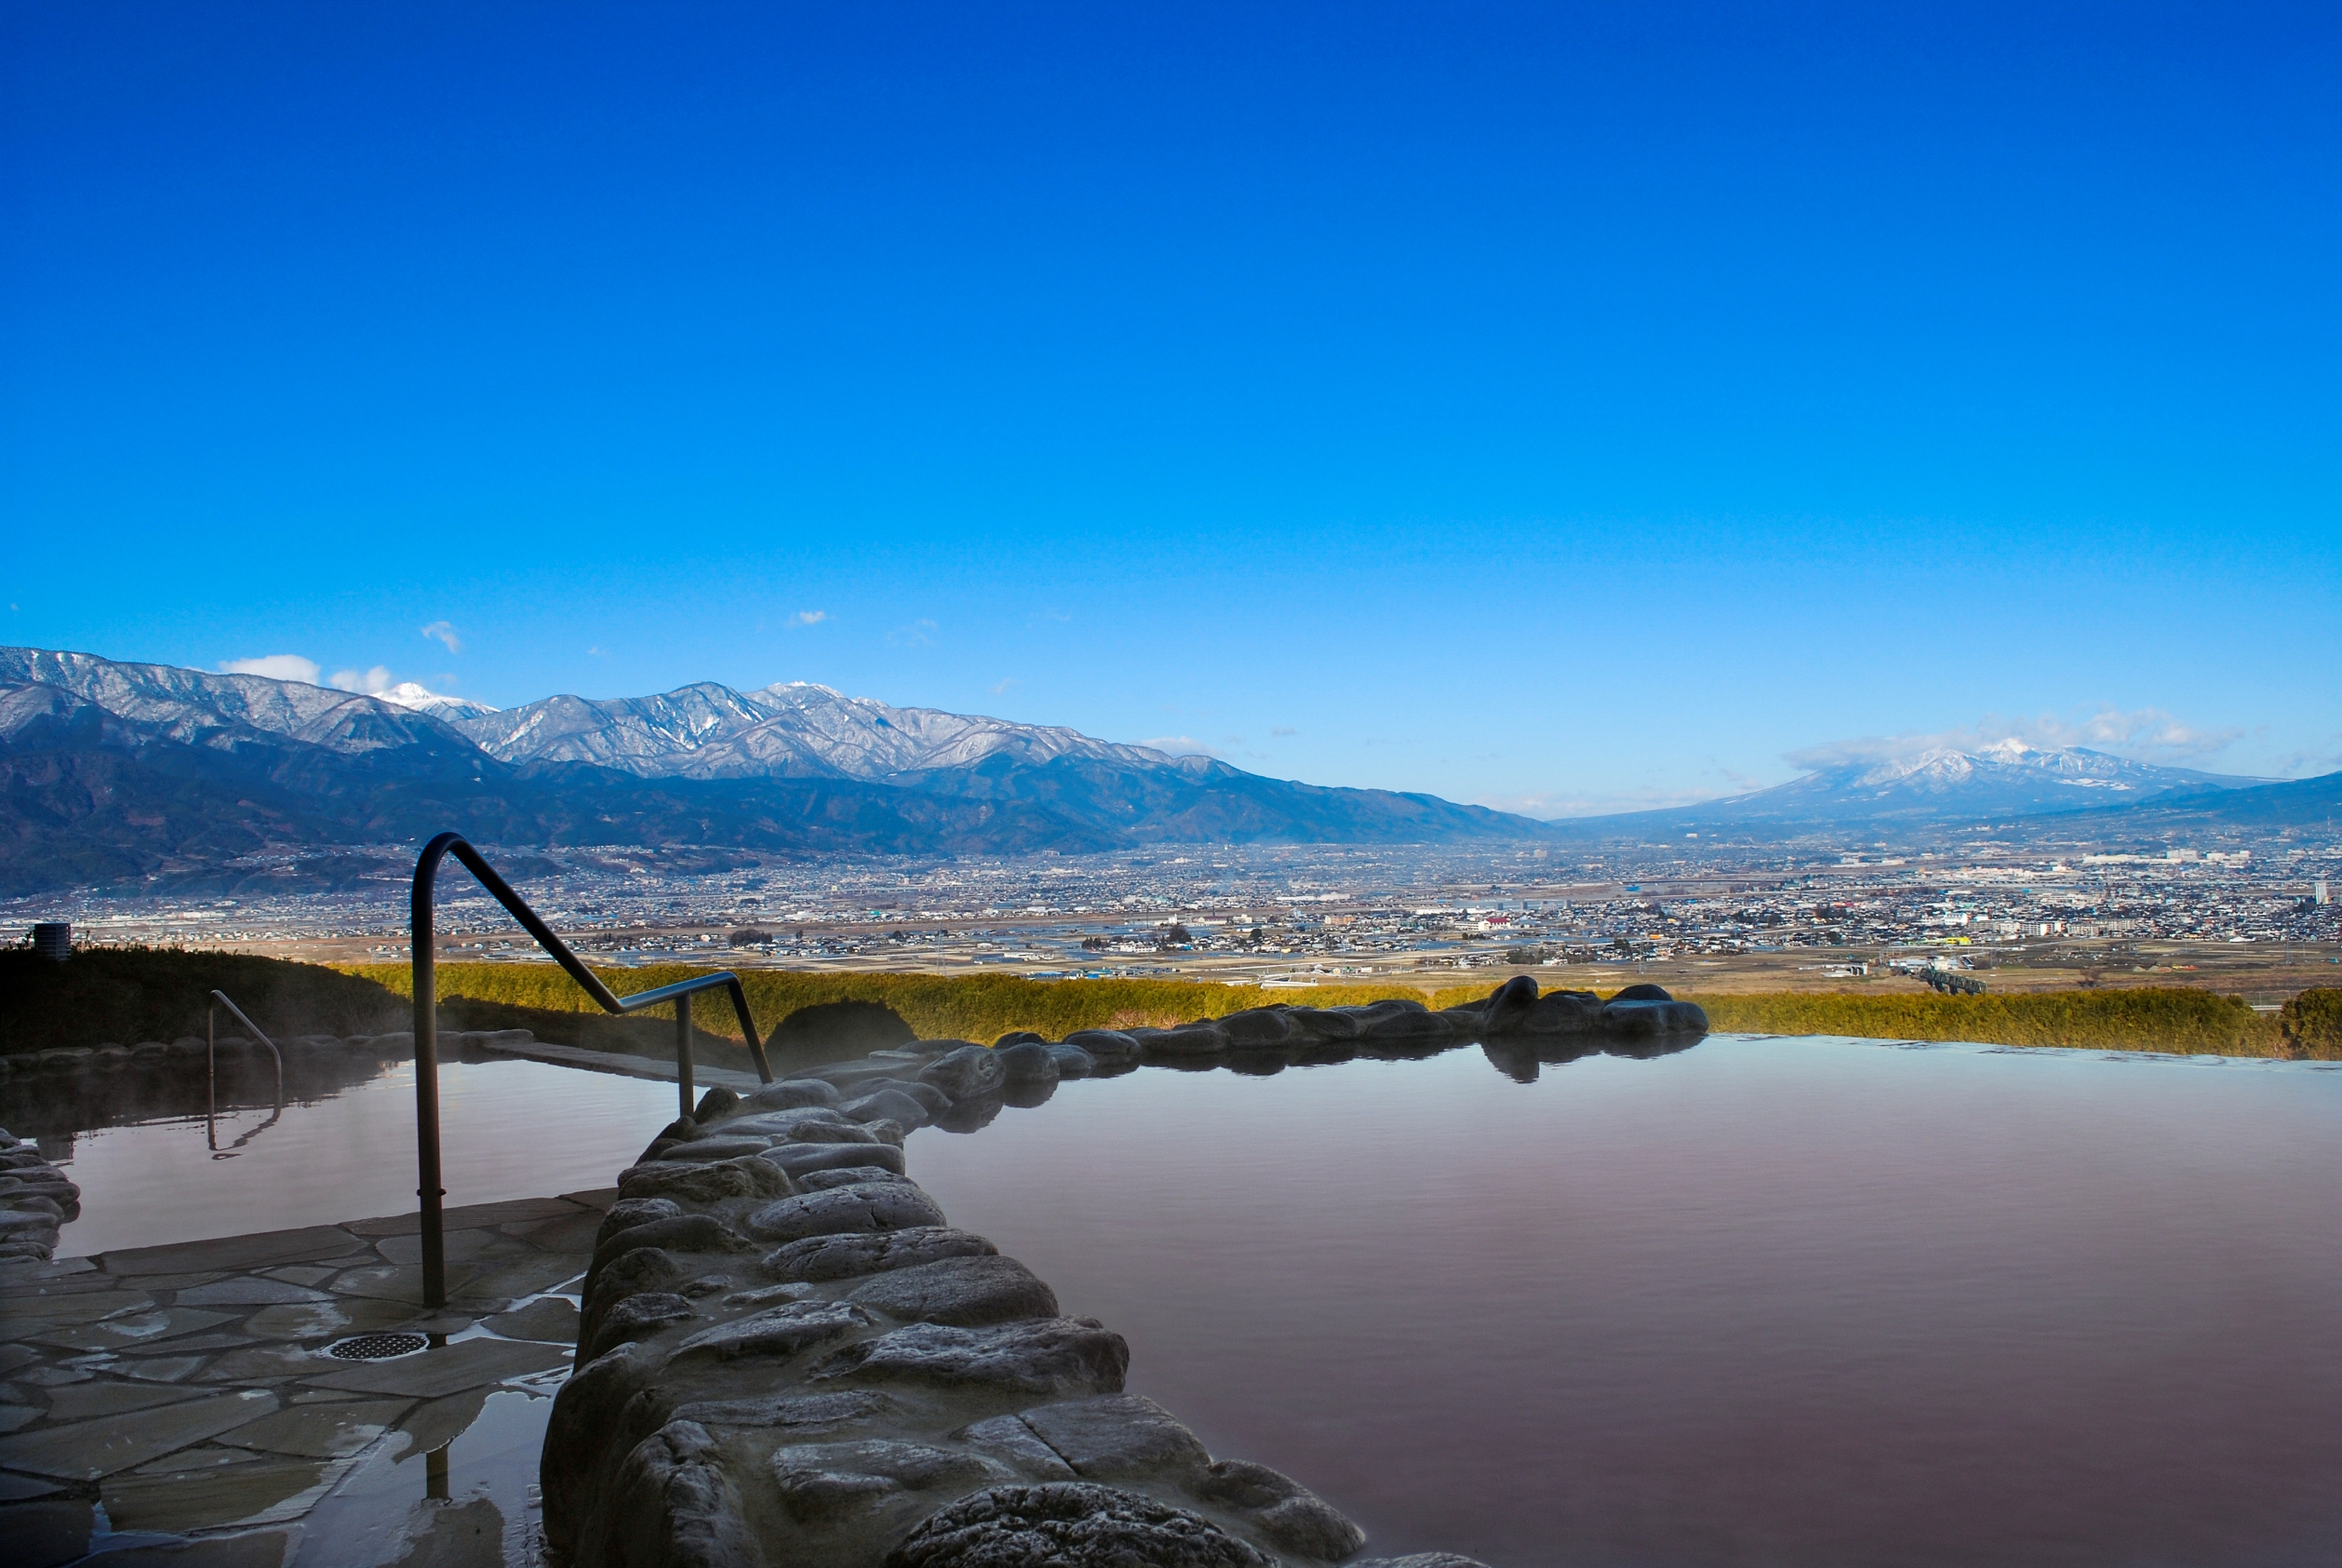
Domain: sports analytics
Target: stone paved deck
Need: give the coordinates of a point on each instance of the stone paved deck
(174, 1403)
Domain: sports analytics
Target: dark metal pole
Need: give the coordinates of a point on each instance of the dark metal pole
(748, 1030)
(421, 953)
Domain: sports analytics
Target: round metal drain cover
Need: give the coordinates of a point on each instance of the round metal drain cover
(377, 1346)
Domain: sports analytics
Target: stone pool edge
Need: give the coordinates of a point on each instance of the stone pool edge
(789, 1357)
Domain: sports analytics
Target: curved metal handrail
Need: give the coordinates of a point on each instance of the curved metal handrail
(211, 1084)
(422, 954)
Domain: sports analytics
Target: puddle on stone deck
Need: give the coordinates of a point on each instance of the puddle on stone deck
(481, 1509)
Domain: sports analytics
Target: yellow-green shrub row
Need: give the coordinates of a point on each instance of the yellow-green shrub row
(2173, 1019)
(984, 1007)
(977, 1007)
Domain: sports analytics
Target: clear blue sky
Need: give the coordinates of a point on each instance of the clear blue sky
(1550, 406)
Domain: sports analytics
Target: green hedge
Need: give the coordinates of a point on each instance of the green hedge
(127, 995)
(2313, 1024)
(976, 1007)
(133, 994)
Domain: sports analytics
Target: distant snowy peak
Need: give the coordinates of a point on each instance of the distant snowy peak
(633, 733)
(416, 699)
(2011, 761)
(867, 739)
(788, 730)
(1946, 781)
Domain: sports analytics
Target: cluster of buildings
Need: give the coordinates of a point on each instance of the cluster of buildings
(1305, 915)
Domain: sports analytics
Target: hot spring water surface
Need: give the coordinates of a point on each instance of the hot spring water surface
(341, 1148)
(1792, 1302)
(1763, 1302)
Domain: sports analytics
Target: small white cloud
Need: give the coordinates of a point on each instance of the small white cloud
(276, 666)
(809, 618)
(1281, 731)
(918, 634)
(1180, 745)
(371, 683)
(446, 633)
(1004, 683)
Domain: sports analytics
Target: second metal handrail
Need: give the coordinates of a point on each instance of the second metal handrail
(422, 953)
(211, 1062)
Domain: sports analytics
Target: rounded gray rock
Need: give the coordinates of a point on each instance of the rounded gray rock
(1068, 1523)
(802, 1159)
(1053, 1356)
(1405, 1025)
(1116, 1436)
(1258, 1029)
(1293, 1518)
(1188, 1039)
(1104, 1045)
(1326, 1022)
(825, 1483)
(1027, 1062)
(781, 1123)
(686, 1233)
(637, 1317)
(1644, 1019)
(966, 1292)
(862, 1207)
(790, 1094)
(819, 1258)
(729, 1146)
(779, 1331)
(1563, 1012)
(1072, 1061)
(1509, 1005)
(822, 1181)
(963, 1074)
(889, 1105)
(633, 1210)
(709, 1183)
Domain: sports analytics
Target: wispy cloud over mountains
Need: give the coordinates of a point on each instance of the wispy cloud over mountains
(275, 666)
(2143, 734)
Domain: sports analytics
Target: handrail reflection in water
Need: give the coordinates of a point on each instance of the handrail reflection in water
(211, 1087)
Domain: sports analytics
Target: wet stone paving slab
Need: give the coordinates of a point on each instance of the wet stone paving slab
(182, 1404)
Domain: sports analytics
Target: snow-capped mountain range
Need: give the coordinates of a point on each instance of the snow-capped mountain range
(115, 772)
(789, 730)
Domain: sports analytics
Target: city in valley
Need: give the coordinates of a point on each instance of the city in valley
(2249, 919)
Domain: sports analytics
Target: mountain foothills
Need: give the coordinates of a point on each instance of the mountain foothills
(125, 775)
(117, 774)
